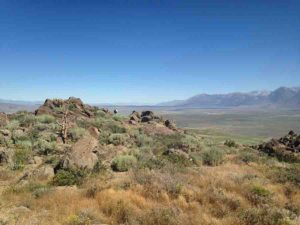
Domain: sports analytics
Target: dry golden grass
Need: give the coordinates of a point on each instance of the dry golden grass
(207, 195)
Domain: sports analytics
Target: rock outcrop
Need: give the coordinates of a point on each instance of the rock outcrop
(72, 106)
(286, 148)
(150, 117)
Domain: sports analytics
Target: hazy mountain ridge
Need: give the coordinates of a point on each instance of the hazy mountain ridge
(282, 96)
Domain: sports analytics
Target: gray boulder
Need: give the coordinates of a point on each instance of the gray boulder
(83, 153)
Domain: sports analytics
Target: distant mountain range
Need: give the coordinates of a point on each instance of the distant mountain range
(283, 96)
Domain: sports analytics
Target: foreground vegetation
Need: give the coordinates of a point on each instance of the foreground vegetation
(145, 174)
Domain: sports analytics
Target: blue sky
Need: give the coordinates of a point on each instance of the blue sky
(146, 51)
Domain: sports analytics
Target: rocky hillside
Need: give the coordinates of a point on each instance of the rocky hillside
(69, 129)
(75, 164)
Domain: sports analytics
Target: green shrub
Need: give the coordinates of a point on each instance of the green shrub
(81, 219)
(25, 119)
(21, 157)
(247, 156)
(265, 216)
(142, 140)
(12, 125)
(170, 141)
(115, 128)
(38, 190)
(150, 162)
(103, 138)
(100, 113)
(230, 144)
(159, 216)
(24, 144)
(288, 174)
(213, 157)
(191, 142)
(119, 118)
(19, 135)
(99, 167)
(117, 139)
(259, 195)
(46, 126)
(76, 133)
(44, 147)
(123, 163)
(45, 118)
(69, 177)
(180, 160)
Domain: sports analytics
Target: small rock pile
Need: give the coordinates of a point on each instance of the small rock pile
(286, 148)
(150, 117)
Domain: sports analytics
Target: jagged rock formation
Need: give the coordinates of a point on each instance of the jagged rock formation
(72, 106)
(286, 148)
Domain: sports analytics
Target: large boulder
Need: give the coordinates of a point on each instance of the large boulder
(3, 119)
(45, 172)
(170, 124)
(146, 119)
(135, 116)
(83, 153)
(6, 155)
(147, 113)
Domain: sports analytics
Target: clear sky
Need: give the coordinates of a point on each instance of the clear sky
(146, 51)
